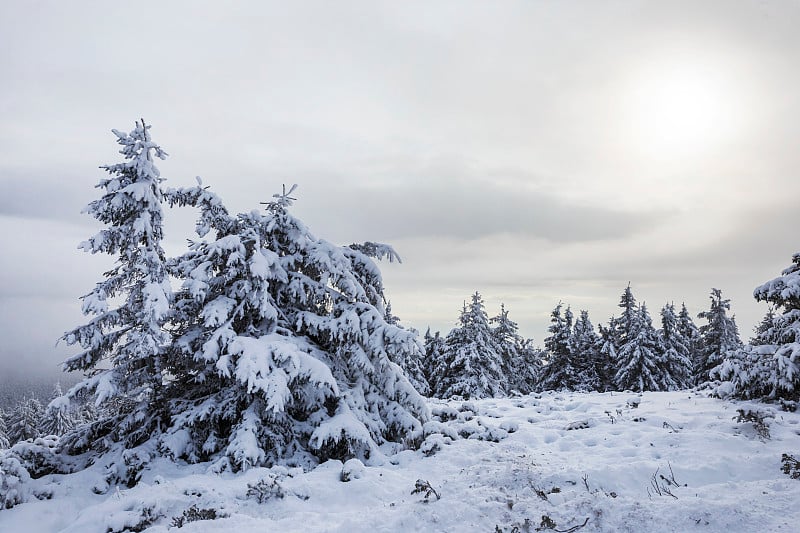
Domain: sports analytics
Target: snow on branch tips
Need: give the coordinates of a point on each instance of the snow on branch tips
(283, 199)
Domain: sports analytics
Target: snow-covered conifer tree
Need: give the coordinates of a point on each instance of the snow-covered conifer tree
(275, 349)
(474, 368)
(606, 356)
(528, 369)
(619, 331)
(560, 372)
(689, 331)
(434, 363)
(411, 361)
(640, 360)
(630, 318)
(677, 349)
(765, 332)
(509, 345)
(585, 353)
(58, 416)
(718, 337)
(25, 420)
(124, 343)
(390, 317)
(283, 351)
(4, 441)
(770, 368)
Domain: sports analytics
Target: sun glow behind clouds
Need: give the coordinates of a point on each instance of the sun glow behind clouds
(682, 108)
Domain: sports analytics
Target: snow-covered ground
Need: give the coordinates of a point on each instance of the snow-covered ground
(606, 473)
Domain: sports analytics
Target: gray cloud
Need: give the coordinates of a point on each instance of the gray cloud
(39, 195)
(472, 211)
(452, 200)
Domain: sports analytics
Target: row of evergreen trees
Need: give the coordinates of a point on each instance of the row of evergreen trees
(484, 357)
(480, 357)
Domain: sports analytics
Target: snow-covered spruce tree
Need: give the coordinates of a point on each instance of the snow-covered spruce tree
(606, 354)
(640, 360)
(4, 441)
(282, 351)
(560, 372)
(628, 320)
(511, 346)
(411, 361)
(391, 318)
(585, 353)
(718, 337)
(434, 362)
(473, 366)
(770, 369)
(25, 419)
(528, 369)
(766, 332)
(59, 417)
(747, 373)
(677, 348)
(124, 343)
(522, 361)
(617, 334)
(689, 331)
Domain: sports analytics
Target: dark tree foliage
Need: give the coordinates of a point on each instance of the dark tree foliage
(717, 337)
(471, 366)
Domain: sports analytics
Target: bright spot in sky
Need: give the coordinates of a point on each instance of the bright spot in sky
(681, 110)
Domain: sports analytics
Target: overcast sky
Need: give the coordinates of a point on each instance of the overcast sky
(533, 151)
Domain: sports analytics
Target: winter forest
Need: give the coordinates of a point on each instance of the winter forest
(262, 355)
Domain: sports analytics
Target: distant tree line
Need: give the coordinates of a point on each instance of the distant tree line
(483, 357)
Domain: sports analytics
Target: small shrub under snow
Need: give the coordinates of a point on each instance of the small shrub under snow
(352, 469)
(13, 480)
(267, 488)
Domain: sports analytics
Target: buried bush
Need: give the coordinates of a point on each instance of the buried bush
(193, 514)
(790, 466)
(424, 487)
(266, 489)
(13, 482)
(758, 421)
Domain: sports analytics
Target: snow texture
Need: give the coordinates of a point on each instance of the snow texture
(602, 473)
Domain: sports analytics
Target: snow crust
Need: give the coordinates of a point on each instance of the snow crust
(525, 464)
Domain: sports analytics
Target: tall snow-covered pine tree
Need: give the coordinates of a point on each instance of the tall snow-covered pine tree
(124, 343)
(677, 349)
(718, 337)
(640, 360)
(585, 353)
(473, 366)
(560, 372)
